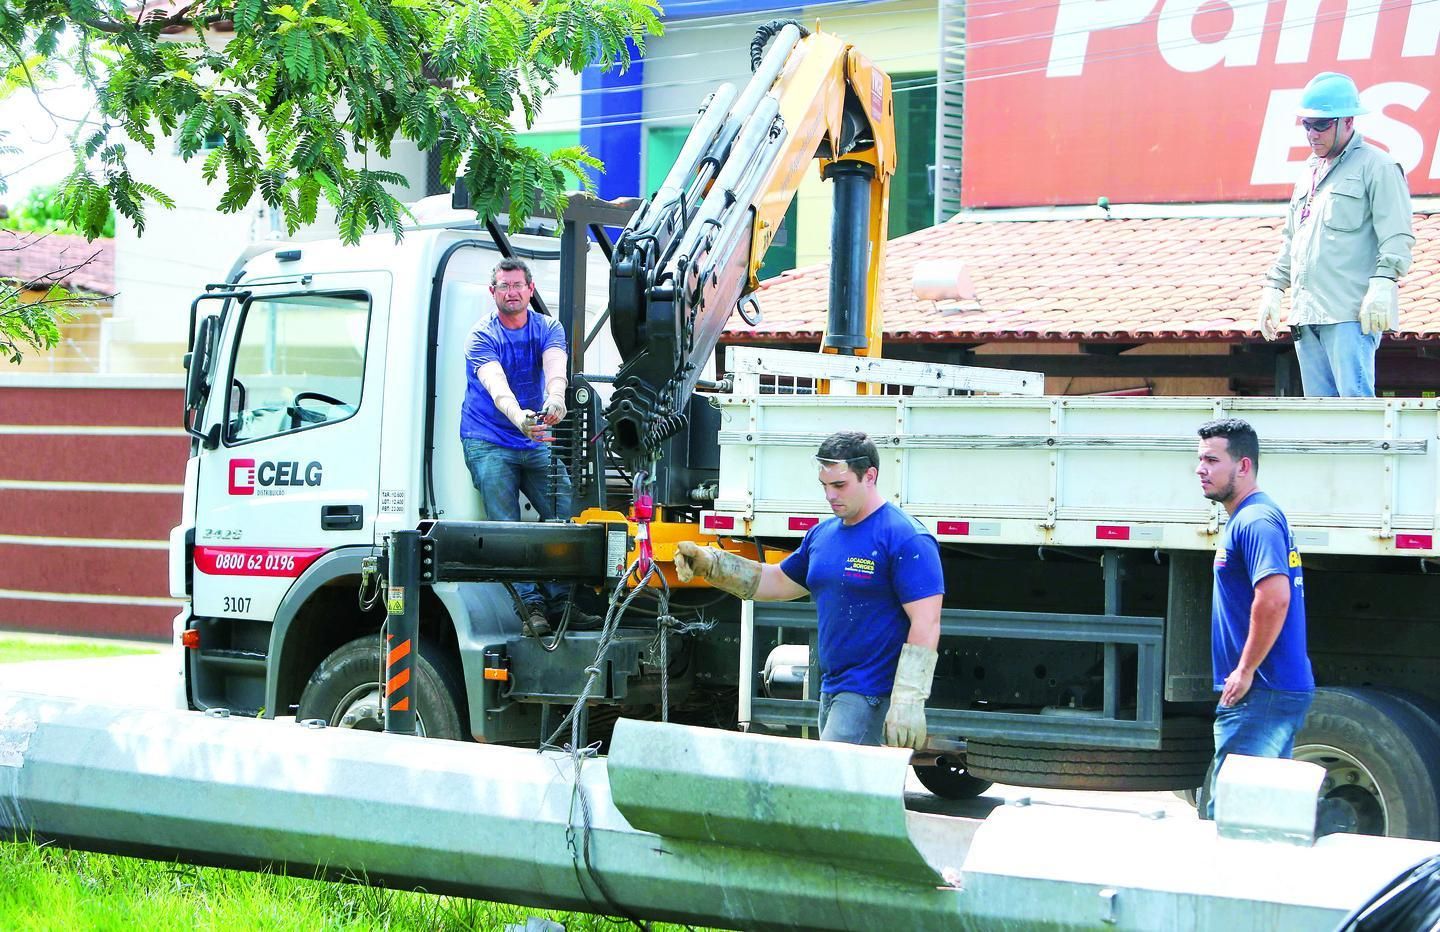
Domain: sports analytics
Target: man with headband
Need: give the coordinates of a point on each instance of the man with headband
(875, 575)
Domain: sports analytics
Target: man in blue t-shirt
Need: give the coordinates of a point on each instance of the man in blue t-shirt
(1257, 613)
(875, 574)
(515, 388)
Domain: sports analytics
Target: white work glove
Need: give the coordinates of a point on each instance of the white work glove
(905, 722)
(553, 411)
(1380, 311)
(524, 419)
(1267, 316)
(720, 568)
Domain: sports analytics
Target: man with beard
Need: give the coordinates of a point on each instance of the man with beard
(1257, 614)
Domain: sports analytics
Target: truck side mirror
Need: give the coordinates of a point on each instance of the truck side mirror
(198, 362)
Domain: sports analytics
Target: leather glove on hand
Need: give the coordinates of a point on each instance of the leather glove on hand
(1267, 316)
(720, 568)
(1380, 311)
(905, 722)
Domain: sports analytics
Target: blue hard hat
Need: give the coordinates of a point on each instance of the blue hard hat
(1330, 95)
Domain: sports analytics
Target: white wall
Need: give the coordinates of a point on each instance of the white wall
(159, 273)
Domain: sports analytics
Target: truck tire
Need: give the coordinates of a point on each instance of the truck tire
(1178, 764)
(1381, 752)
(948, 779)
(344, 691)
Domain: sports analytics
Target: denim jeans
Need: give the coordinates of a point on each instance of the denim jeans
(501, 474)
(1262, 724)
(1336, 360)
(853, 718)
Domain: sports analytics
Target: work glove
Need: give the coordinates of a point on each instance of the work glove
(524, 419)
(720, 568)
(1380, 311)
(905, 722)
(1267, 316)
(553, 411)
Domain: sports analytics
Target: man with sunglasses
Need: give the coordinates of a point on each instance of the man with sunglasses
(1347, 240)
(875, 574)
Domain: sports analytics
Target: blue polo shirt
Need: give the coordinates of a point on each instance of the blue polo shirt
(1258, 543)
(519, 353)
(861, 576)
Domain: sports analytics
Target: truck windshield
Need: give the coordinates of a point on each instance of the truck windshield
(299, 362)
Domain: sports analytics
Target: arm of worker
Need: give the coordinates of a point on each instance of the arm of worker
(1392, 216)
(1269, 310)
(491, 376)
(1278, 277)
(919, 583)
(1267, 617)
(734, 574)
(552, 365)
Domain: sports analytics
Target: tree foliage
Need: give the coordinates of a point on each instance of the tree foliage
(277, 108)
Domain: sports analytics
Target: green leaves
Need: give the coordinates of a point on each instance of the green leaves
(300, 99)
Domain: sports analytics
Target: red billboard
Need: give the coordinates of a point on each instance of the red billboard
(1170, 101)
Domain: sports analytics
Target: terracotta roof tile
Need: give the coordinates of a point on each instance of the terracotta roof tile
(45, 259)
(1188, 278)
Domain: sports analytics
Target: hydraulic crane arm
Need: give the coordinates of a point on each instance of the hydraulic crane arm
(690, 255)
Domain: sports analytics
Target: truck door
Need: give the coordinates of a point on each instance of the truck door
(296, 469)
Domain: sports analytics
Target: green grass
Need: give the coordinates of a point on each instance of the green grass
(18, 650)
(46, 888)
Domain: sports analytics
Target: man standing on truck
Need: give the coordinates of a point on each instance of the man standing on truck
(1346, 241)
(515, 363)
(1257, 612)
(875, 574)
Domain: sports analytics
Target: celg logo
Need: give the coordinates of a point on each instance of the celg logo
(271, 477)
(242, 477)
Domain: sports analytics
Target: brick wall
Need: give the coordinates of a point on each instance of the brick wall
(91, 476)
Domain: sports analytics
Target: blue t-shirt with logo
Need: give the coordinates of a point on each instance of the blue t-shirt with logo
(860, 577)
(519, 353)
(1258, 543)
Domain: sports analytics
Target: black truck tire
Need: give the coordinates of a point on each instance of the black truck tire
(1381, 751)
(948, 779)
(1178, 764)
(344, 691)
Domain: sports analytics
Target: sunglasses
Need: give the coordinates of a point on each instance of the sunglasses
(1318, 126)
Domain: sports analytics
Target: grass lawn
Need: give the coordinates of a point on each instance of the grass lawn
(47, 888)
(17, 650)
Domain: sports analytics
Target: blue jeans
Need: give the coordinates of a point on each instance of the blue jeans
(1262, 724)
(1336, 360)
(853, 718)
(501, 474)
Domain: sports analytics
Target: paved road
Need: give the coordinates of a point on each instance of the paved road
(146, 681)
(152, 681)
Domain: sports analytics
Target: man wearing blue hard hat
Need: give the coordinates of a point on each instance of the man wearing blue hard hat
(1347, 240)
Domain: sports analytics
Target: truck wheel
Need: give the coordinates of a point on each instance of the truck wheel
(948, 779)
(344, 691)
(1381, 754)
(1178, 764)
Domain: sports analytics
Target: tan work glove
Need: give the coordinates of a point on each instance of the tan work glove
(524, 419)
(1380, 311)
(720, 568)
(553, 411)
(905, 722)
(1267, 316)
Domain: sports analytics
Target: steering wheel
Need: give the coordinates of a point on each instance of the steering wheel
(298, 415)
